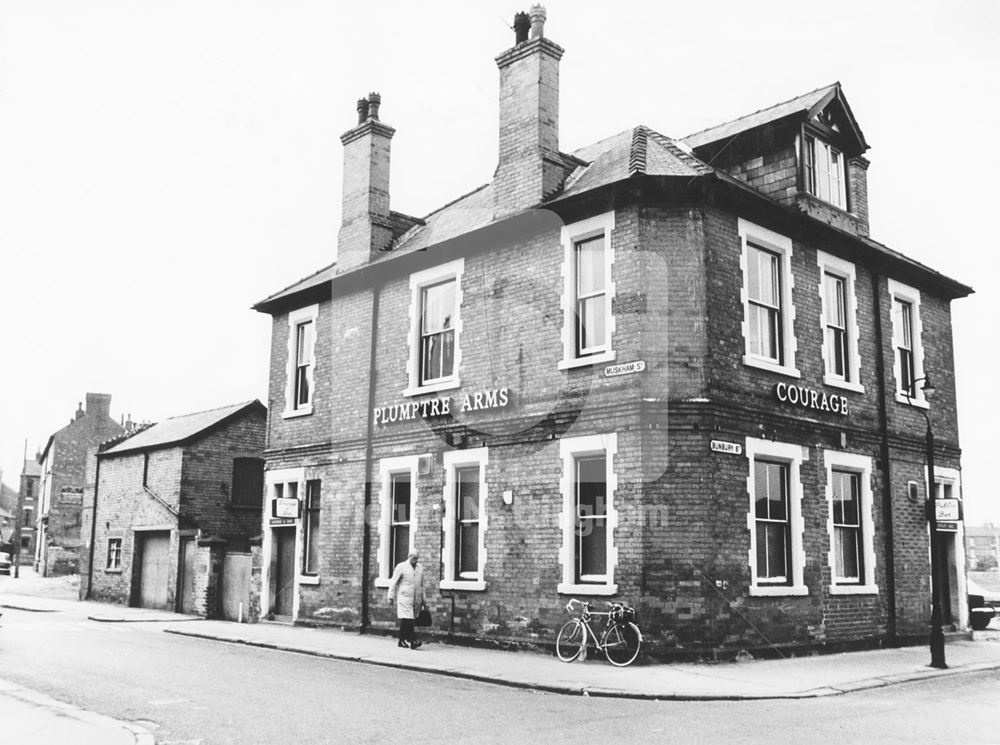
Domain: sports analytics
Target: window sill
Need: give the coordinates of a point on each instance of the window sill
(383, 582)
(846, 385)
(308, 579)
(590, 359)
(112, 571)
(444, 385)
(762, 364)
(246, 507)
(770, 591)
(853, 590)
(461, 584)
(918, 402)
(295, 413)
(566, 588)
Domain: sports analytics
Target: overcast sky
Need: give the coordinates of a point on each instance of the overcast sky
(165, 165)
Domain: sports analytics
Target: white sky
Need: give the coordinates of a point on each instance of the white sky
(165, 165)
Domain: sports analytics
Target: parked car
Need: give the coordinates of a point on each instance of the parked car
(4, 562)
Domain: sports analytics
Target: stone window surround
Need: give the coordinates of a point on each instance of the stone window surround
(569, 449)
(862, 466)
(793, 456)
(387, 467)
(302, 315)
(829, 264)
(419, 280)
(897, 290)
(751, 233)
(569, 236)
(454, 459)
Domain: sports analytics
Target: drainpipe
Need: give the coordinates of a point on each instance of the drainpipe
(884, 455)
(93, 528)
(366, 540)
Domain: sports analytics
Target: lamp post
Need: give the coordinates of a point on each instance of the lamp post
(937, 633)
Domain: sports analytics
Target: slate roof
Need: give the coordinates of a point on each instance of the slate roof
(179, 429)
(771, 114)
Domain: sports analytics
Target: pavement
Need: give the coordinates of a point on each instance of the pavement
(791, 678)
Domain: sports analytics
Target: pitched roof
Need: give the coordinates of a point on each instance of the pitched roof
(805, 102)
(31, 467)
(636, 151)
(179, 429)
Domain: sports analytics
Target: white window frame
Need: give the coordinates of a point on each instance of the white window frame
(769, 240)
(793, 456)
(454, 460)
(387, 467)
(846, 272)
(569, 237)
(861, 465)
(309, 314)
(899, 291)
(116, 566)
(836, 178)
(418, 281)
(571, 448)
(308, 525)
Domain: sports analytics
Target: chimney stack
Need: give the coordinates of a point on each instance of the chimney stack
(99, 404)
(79, 410)
(529, 167)
(365, 227)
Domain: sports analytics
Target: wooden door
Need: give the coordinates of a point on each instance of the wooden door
(154, 572)
(186, 604)
(283, 572)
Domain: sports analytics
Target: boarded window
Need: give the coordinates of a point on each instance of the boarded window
(248, 482)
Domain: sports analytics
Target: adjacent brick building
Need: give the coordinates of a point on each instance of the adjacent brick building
(24, 523)
(169, 503)
(675, 372)
(60, 501)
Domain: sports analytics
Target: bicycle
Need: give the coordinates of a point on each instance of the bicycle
(620, 641)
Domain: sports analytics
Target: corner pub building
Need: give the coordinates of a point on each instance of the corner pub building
(617, 373)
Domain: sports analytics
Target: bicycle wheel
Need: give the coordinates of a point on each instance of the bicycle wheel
(572, 637)
(621, 642)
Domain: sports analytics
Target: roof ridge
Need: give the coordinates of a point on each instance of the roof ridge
(678, 150)
(457, 199)
(637, 152)
(240, 405)
(760, 111)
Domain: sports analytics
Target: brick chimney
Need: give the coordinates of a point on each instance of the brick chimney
(99, 404)
(365, 227)
(529, 167)
(857, 179)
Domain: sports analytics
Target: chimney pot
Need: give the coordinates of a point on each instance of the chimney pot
(521, 26)
(79, 410)
(362, 110)
(538, 16)
(374, 101)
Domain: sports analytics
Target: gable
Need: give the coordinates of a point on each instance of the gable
(832, 117)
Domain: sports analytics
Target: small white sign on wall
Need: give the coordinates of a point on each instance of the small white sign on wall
(721, 446)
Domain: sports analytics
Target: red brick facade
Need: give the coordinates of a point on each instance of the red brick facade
(681, 508)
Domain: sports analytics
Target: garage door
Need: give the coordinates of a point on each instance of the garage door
(154, 572)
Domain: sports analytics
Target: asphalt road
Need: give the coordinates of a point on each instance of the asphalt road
(195, 691)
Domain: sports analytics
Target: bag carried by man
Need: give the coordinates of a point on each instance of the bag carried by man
(423, 617)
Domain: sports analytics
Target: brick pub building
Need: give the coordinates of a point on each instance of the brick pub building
(616, 373)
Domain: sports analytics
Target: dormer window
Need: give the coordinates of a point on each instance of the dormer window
(824, 174)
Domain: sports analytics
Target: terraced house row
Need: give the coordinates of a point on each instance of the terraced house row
(677, 372)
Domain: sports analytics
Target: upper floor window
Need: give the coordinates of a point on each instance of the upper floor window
(588, 291)
(300, 370)
(768, 314)
(842, 367)
(908, 362)
(29, 489)
(248, 482)
(437, 332)
(824, 172)
(435, 328)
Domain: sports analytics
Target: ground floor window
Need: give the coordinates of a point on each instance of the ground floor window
(464, 521)
(850, 523)
(398, 520)
(589, 516)
(310, 528)
(774, 518)
(114, 562)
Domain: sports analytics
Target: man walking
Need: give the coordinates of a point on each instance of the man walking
(407, 590)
